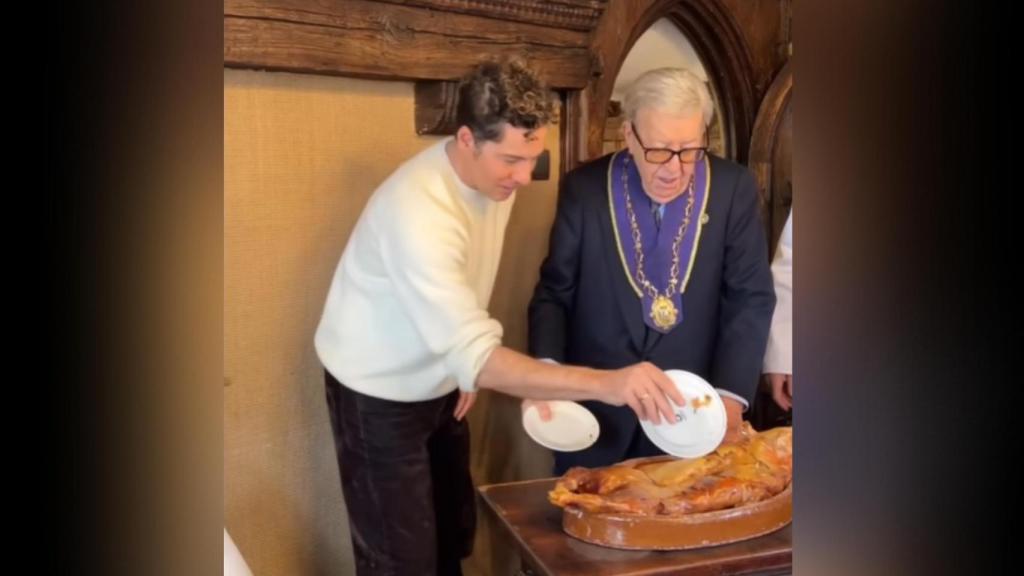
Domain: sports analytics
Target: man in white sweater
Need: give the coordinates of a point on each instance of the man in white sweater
(406, 339)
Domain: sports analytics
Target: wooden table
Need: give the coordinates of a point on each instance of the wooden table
(536, 526)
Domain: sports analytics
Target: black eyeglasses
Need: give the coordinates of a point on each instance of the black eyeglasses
(663, 155)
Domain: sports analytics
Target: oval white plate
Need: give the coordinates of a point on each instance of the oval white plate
(571, 427)
(700, 425)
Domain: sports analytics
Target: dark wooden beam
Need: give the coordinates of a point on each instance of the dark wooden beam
(387, 41)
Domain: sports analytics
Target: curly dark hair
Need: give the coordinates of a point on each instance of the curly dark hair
(496, 93)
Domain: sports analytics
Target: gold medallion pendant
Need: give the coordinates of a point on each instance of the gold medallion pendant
(664, 312)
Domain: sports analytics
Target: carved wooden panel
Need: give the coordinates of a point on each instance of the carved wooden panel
(570, 14)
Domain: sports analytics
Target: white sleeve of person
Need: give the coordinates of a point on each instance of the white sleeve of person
(778, 358)
(426, 259)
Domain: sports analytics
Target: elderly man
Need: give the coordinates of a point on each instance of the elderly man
(657, 254)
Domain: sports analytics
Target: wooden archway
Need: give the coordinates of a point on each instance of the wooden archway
(771, 152)
(719, 43)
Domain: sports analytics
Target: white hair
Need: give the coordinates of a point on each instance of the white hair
(674, 90)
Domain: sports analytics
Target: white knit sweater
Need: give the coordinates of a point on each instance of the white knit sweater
(406, 315)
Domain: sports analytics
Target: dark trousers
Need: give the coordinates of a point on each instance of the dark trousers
(405, 477)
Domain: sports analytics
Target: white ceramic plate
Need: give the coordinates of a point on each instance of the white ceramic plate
(571, 427)
(700, 425)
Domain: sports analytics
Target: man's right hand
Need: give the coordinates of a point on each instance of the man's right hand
(645, 389)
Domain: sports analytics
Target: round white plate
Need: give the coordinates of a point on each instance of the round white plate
(700, 424)
(571, 427)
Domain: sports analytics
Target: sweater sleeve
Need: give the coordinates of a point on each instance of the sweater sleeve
(424, 248)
